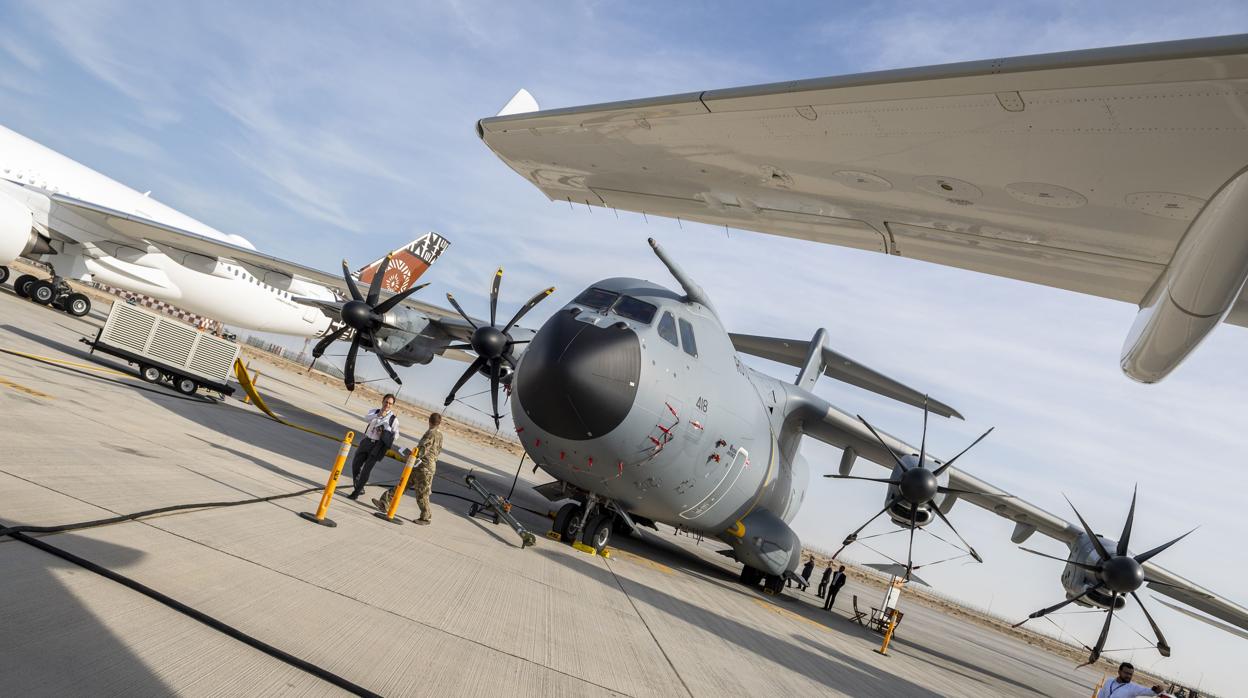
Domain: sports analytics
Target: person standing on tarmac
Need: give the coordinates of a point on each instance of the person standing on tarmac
(808, 569)
(823, 583)
(379, 435)
(429, 448)
(838, 581)
(1122, 687)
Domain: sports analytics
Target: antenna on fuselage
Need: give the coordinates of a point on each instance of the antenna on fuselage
(693, 292)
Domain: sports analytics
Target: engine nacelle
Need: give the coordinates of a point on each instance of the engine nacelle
(1076, 579)
(16, 229)
(1197, 289)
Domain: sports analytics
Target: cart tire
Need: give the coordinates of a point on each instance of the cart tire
(77, 304)
(186, 386)
(22, 284)
(42, 292)
(151, 374)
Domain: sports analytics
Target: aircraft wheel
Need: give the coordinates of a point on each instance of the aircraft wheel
(21, 286)
(597, 532)
(77, 304)
(151, 374)
(4, 274)
(42, 292)
(562, 518)
(750, 576)
(186, 386)
(773, 584)
(619, 526)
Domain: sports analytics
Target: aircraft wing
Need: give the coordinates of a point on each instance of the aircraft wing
(83, 221)
(822, 421)
(1078, 170)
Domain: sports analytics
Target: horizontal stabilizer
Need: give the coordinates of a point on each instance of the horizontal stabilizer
(836, 365)
(407, 263)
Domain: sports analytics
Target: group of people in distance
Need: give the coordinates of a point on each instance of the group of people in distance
(380, 431)
(831, 583)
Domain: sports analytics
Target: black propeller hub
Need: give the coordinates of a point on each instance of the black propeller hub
(358, 315)
(918, 485)
(1122, 574)
(489, 342)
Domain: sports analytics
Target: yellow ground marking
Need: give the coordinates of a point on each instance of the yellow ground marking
(62, 362)
(23, 389)
(789, 614)
(625, 555)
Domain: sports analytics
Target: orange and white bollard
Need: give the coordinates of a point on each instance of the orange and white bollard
(389, 514)
(331, 485)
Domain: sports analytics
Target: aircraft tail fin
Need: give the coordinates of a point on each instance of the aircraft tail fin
(407, 263)
(520, 103)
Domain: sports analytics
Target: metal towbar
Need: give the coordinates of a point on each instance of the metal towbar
(499, 508)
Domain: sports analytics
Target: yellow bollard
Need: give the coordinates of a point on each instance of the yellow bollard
(389, 515)
(888, 634)
(331, 485)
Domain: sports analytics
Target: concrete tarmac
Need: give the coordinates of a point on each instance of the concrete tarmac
(455, 608)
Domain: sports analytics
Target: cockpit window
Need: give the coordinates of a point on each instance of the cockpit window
(686, 338)
(596, 298)
(667, 328)
(634, 309)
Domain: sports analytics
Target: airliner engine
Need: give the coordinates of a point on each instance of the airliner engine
(16, 229)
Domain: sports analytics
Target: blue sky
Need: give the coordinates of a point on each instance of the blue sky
(320, 132)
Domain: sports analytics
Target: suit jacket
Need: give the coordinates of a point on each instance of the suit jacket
(838, 580)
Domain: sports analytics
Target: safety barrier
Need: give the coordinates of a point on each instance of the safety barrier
(389, 514)
(328, 495)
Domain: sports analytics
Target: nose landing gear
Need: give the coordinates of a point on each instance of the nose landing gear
(587, 524)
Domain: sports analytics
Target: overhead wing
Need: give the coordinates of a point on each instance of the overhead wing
(1078, 170)
(822, 421)
(836, 365)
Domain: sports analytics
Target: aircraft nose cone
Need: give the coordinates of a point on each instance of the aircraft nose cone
(1122, 574)
(578, 381)
(918, 485)
(358, 315)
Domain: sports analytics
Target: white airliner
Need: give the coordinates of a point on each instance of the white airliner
(91, 228)
(1117, 172)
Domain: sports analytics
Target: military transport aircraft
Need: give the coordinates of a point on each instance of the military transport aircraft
(87, 227)
(1117, 172)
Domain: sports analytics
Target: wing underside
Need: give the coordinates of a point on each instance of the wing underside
(1077, 170)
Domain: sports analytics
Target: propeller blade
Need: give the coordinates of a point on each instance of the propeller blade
(869, 479)
(1145, 556)
(495, 369)
(1162, 646)
(541, 296)
(1054, 607)
(327, 340)
(854, 536)
(939, 471)
(348, 369)
(1096, 541)
(498, 280)
(1076, 563)
(969, 547)
(472, 368)
(1186, 590)
(355, 290)
(397, 298)
(1125, 538)
(914, 516)
(389, 369)
(374, 290)
(881, 440)
(923, 439)
(1100, 641)
(462, 314)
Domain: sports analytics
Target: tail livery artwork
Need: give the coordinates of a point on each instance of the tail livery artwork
(407, 264)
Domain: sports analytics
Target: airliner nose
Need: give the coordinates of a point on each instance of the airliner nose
(577, 380)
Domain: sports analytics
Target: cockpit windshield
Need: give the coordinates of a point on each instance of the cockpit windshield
(596, 298)
(634, 309)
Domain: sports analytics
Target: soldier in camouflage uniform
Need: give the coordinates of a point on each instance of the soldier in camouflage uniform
(426, 464)
(421, 481)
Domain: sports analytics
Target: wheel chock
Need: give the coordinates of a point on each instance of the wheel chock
(584, 548)
(554, 535)
(606, 552)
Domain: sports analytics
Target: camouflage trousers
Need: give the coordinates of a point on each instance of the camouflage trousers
(422, 482)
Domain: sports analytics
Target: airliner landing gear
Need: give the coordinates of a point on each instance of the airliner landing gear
(54, 292)
(22, 285)
(4, 274)
(41, 292)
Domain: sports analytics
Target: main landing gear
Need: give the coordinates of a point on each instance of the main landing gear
(773, 584)
(54, 292)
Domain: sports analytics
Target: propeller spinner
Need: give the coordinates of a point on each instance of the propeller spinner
(493, 346)
(366, 316)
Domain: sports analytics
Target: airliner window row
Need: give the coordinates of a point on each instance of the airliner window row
(248, 277)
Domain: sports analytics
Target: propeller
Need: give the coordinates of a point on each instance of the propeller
(366, 316)
(492, 345)
(917, 486)
(1115, 574)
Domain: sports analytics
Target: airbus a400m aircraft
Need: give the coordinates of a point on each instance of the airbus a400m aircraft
(1118, 172)
(635, 399)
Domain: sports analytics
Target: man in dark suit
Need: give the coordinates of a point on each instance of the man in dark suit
(838, 581)
(823, 583)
